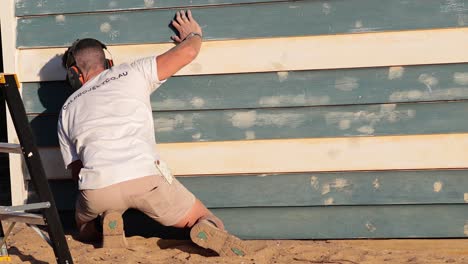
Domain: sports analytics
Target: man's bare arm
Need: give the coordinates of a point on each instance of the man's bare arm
(186, 51)
(75, 168)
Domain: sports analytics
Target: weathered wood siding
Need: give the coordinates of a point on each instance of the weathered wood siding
(299, 119)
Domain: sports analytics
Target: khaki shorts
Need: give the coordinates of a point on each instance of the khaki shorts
(153, 195)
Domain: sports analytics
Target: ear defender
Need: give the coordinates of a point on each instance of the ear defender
(74, 74)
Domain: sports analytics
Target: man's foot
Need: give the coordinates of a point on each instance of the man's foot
(205, 234)
(113, 231)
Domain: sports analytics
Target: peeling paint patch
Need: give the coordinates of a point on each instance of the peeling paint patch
(198, 102)
(428, 80)
(105, 27)
(314, 182)
(461, 78)
(465, 197)
(371, 227)
(438, 186)
(376, 184)
(60, 19)
(282, 76)
(395, 73)
(249, 134)
(328, 201)
(346, 84)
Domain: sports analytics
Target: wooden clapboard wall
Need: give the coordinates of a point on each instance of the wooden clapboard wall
(299, 119)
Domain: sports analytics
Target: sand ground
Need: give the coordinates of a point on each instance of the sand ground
(25, 246)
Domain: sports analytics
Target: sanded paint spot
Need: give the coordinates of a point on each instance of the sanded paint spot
(172, 104)
(346, 84)
(462, 19)
(340, 184)
(292, 100)
(344, 124)
(202, 235)
(326, 8)
(358, 24)
(249, 134)
(196, 136)
(406, 95)
(329, 201)
(112, 4)
(169, 124)
(395, 73)
(438, 185)
(105, 27)
(366, 130)
(149, 3)
(325, 189)
(376, 184)
(282, 76)
(465, 197)
(461, 78)
(314, 182)
(60, 19)
(244, 119)
(197, 102)
(428, 80)
(292, 120)
(371, 227)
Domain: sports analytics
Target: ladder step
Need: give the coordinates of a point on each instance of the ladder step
(10, 148)
(27, 218)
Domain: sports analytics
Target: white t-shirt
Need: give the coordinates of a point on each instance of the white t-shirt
(108, 125)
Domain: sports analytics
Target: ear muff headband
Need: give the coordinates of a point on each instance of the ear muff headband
(74, 74)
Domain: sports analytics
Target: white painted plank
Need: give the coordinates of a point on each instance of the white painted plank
(283, 54)
(443, 151)
(7, 27)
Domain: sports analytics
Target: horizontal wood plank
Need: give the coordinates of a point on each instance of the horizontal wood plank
(281, 54)
(446, 151)
(393, 221)
(285, 89)
(40, 7)
(298, 18)
(289, 123)
(312, 189)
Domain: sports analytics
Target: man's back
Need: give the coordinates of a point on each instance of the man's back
(109, 123)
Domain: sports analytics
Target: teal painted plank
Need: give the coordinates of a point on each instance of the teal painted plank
(245, 21)
(303, 122)
(397, 221)
(313, 189)
(41, 7)
(286, 89)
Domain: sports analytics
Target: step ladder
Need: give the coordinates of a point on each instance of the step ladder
(47, 212)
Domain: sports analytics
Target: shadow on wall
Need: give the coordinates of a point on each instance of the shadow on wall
(51, 95)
